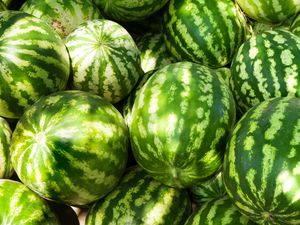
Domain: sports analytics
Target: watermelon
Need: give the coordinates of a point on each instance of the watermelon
(141, 200)
(295, 27)
(269, 11)
(20, 205)
(266, 66)
(70, 147)
(153, 52)
(105, 59)
(63, 15)
(128, 10)
(179, 123)
(209, 190)
(33, 62)
(220, 212)
(261, 165)
(6, 168)
(204, 31)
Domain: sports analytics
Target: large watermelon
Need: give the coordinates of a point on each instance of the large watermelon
(140, 200)
(179, 123)
(269, 10)
(105, 59)
(21, 206)
(153, 52)
(6, 168)
(204, 31)
(262, 162)
(128, 10)
(218, 212)
(63, 15)
(267, 65)
(71, 147)
(33, 62)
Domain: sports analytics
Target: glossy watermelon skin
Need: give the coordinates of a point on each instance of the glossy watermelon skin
(6, 168)
(261, 165)
(269, 11)
(179, 123)
(208, 190)
(128, 10)
(266, 66)
(208, 32)
(70, 147)
(153, 52)
(33, 62)
(63, 15)
(105, 59)
(219, 211)
(20, 205)
(141, 200)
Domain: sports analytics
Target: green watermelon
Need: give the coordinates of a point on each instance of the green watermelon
(20, 205)
(63, 15)
(141, 200)
(179, 123)
(269, 11)
(204, 31)
(208, 190)
(266, 66)
(218, 212)
(6, 168)
(262, 162)
(33, 62)
(295, 26)
(128, 10)
(105, 59)
(71, 147)
(153, 52)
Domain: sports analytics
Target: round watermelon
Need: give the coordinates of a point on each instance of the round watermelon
(63, 15)
(105, 59)
(6, 168)
(218, 212)
(179, 123)
(266, 66)
(204, 31)
(20, 205)
(269, 11)
(71, 147)
(33, 62)
(128, 10)
(262, 162)
(141, 200)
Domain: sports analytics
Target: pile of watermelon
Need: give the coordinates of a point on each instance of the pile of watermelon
(154, 112)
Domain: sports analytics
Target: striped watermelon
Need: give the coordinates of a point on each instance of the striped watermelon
(262, 162)
(63, 15)
(128, 10)
(204, 31)
(269, 11)
(209, 190)
(6, 168)
(19, 205)
(179, 123)
(70, 147)
(295, 27)
(267, 65)
(105, 59)
(219, 212)
(33, 62)
(153, 52)
(140, 200)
